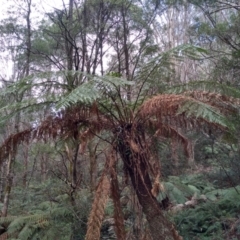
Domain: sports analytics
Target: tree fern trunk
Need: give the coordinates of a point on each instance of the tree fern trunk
(134, 155)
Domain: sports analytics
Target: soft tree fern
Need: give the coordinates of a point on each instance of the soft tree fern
(100, 104)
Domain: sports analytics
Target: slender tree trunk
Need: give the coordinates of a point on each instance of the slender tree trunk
(74, 167)
(134, 155)
(27, 72)
(8, 186)
(28, 42)
(43, 166)
(126, 48)
(2, 182)
(93, 166)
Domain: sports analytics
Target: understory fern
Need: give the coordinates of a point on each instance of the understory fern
(27, 227)
(43, 219)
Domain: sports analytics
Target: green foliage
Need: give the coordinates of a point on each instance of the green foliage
(95, 88)
(208, 86)
(178, 190)
(198, 109)
(210, 220)
(215, 218)
(39, 218)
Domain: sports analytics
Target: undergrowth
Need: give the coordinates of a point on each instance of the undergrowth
(217, 218)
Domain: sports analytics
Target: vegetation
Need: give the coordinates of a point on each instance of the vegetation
(119, 119)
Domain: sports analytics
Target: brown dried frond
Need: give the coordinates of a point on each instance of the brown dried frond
(222, 102)
(10, 144)
(134, 146)
(157, 187)
(97, 212)
(147, 235)
(4, 236)
(115, 194)
(65, 125)
(84, 138)
(168, 131)
(165, 108)
(162, 105)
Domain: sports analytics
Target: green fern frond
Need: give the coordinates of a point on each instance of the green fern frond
(50, 80)
(7, 220)
(157, 72)
(27, 232)
(25, 106)
(208, 86)
(61, 212)
(86, 93)
(96, 88)
(198, 109)
(16, 226)
(26, 226)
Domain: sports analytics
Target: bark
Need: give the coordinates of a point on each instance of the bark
(93, 166)
(2, 182)
(25, 164)
(74, 167)
(125, 48)
(28, 37)
(135, 163)
(43, 165)
(8, 187)
(73, 159)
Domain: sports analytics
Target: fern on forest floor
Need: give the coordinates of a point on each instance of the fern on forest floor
(42, 212)
(217, 218)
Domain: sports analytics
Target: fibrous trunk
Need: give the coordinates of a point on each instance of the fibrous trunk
(132, 149)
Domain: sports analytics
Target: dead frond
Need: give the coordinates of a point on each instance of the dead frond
(67, 124)
(97, 212)
(115, 194)
(4, 236)
(156, 188)
(223, 102)
(162, 105)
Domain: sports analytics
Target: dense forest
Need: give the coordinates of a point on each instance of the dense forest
(119, 119)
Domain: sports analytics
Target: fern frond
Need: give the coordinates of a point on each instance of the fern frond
(97, 212)
(25, 227)
(7, 220)
(46, 80)
(115, 195)
(199, 110)
(27, 232)
(206, 86)
(168, 131)
(163, 61)
(172, 109)
(4, 236)
(87, 93)
(95, 88)
(67, 124)
(24, 107)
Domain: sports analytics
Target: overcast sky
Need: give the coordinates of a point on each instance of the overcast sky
(40, 6)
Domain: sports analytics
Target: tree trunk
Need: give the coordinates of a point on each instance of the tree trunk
(93, 166)
(134, 155)
(8, 187)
